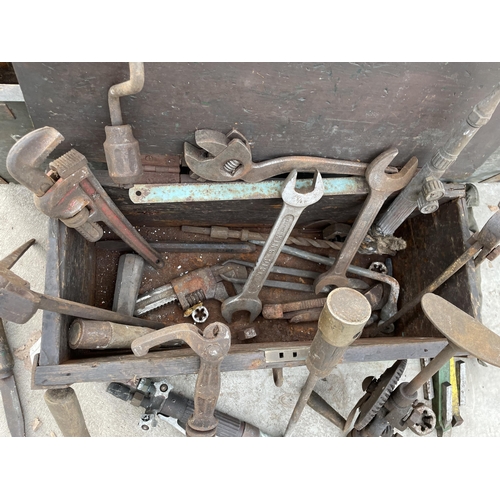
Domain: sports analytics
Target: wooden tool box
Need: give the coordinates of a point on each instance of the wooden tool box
(281, 116)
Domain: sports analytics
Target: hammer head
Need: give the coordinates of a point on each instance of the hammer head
(296, 199)
(17, 302)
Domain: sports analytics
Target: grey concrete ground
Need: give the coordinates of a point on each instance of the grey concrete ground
(248, 395)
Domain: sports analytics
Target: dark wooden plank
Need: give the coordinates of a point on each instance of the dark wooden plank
(344, 110)
(240, 357)
(434, 242)
(70, 274)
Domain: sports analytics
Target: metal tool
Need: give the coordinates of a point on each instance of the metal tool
(223, 233)
(277, 311)
(293, 205)
(391, 305)
(67, 412)
(188, 247)
(484, 245)
(191, 289)
(342, 321)
(159, 400)
(211, 346)
(230, 159)
(8, 387)
(464, 333)
(121, 147)
(425, 188)
(89, 334)
(19, 304)
(128, 282)
(286, 285)
(381, 186)
(70, 192)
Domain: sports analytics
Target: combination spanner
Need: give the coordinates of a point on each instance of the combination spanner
(294, 204)
(381, 186)
(231, 160)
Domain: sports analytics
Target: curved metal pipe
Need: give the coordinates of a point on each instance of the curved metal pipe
(130, 87)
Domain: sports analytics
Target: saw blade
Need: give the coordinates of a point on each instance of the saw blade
(154, 299)
(12, 407)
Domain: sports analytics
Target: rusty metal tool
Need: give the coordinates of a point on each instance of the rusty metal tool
(191, 289)
(188, 247)
(8, 388)
(465, 335)
(223, 233)
(211, 346)
(294, 204)
(381, 187)
(18, 303)
(67, 412)
(391, 305)
(121, 148)
(230, 159)
(277, 311)
(286, 285)
(159, 400)
(425, 188)
(70, 192)
(342, 320)
(128, 282)
(484, 245)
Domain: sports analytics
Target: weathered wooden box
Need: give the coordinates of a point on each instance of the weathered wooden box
(82, 271)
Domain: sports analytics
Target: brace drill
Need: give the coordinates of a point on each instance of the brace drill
(70, 192)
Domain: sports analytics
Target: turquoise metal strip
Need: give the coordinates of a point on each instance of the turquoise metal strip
(226, 191)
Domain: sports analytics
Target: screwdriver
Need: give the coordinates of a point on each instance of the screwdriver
(342, 320)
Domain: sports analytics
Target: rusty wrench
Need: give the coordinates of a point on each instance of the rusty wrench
(293, 205)
(381, 186)
(211, 346)
(231, 160)
(70, 191)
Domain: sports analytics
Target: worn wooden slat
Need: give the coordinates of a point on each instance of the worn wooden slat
(70, 274)
(240, 357)
(351, 111)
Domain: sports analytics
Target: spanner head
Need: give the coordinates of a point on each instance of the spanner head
(237, 303)
(296, 199)
(377, 178)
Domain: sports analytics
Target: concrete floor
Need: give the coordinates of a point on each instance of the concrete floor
(251, 395)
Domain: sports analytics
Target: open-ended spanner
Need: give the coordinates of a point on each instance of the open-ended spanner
(231, 160)
(70, 191)
(381, 186)
(211, 346)
(293, 205)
